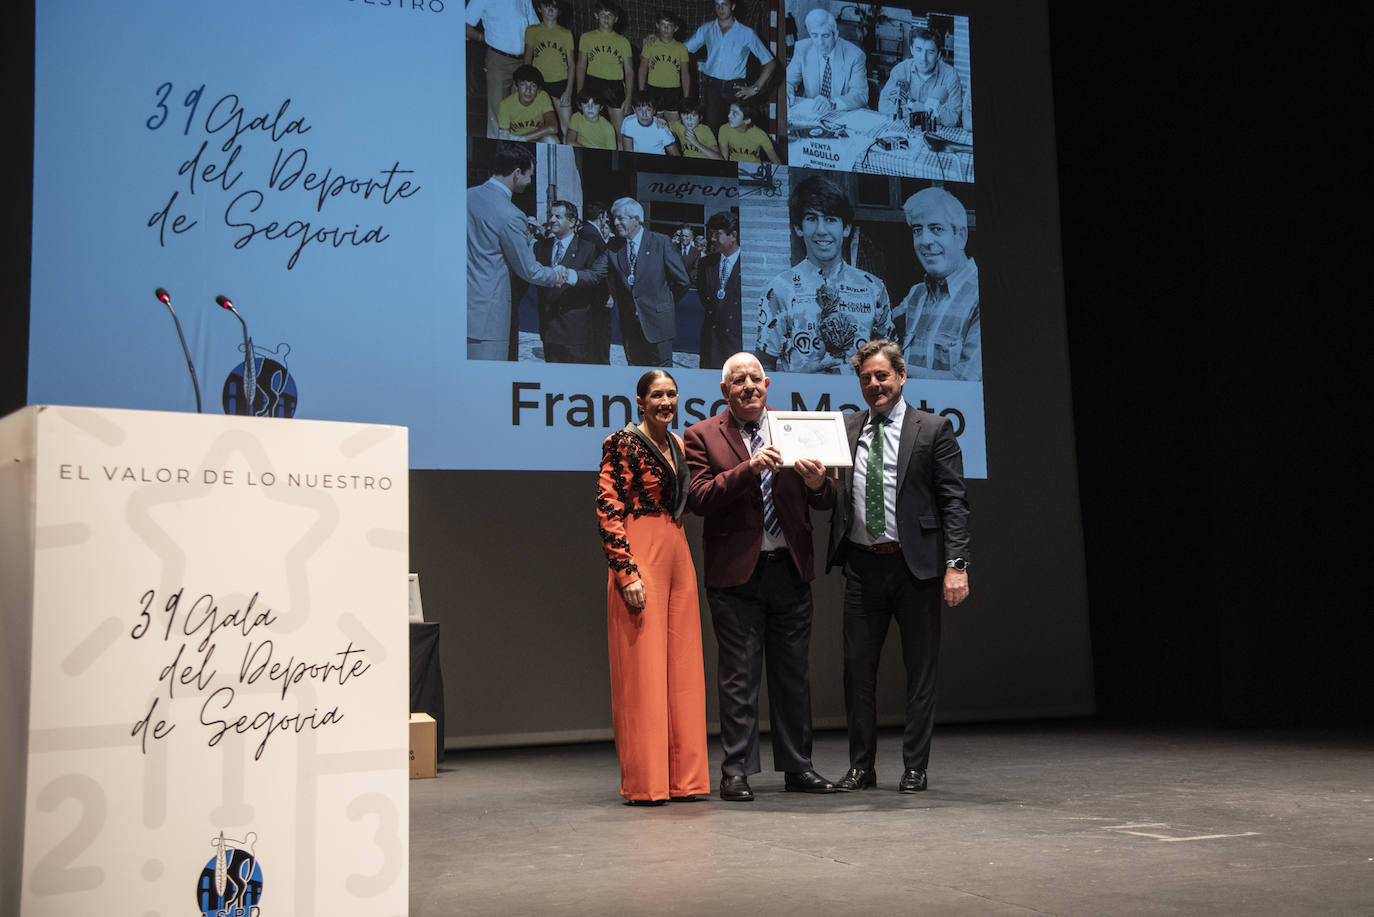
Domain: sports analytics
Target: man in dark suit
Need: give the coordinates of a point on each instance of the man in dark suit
(596, 224)
(900, 528)
(567, 313)
(687, 246)
(647, 280)
(718, 285)
(759, 567)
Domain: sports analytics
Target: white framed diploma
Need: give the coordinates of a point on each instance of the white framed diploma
(810, 434)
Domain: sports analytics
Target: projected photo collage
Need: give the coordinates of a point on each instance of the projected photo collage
(667, 184)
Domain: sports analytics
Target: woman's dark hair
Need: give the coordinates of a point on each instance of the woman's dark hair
(649, 379)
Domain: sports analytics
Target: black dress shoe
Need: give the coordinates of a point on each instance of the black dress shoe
(735, 788)
(807, 782)
(857, 779)
(690, 797)
(913, 781)
(646, 802)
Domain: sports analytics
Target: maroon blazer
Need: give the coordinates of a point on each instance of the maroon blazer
(726, 494)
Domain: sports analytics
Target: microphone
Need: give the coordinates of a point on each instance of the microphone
(166, 299)
(250, 369)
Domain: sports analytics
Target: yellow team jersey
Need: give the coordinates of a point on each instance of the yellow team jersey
(523, 119)
(552, 48)
(606, 54)
(747, 145)
(598, 134)
(666, 60)
(703, 135)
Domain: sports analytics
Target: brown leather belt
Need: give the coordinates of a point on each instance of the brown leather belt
(504, 54)
(882, 547)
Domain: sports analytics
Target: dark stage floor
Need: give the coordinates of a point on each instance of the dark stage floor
(1019, 819)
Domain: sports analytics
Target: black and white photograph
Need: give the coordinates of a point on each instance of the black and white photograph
(695, 79)
(597, 257)
(865, 257)
(880, 90)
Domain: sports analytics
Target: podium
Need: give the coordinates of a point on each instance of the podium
(205, 685)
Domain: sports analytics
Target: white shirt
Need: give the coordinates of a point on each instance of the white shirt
(503, 23)
(727, 53)
(633, 243)
(554, 255)
(649, 138)
(892, 441)
(727, 264)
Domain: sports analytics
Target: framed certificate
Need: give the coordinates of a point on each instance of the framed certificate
(810, 434)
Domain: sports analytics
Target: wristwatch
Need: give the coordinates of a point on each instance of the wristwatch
(957, 563)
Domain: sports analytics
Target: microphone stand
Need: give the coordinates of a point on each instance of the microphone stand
(250, 369)
(166, 300)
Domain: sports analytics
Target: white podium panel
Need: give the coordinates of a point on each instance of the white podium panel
(217, 673)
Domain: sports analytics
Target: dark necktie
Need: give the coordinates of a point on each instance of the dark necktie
(770, 512)
(634, 258)
(825, 80)
(558, 252)
(875, 507)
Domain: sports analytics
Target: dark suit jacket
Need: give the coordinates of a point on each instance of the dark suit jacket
(932, 508)
(660, 281)
(691, 259)
(726, 493)
(722, 325)
(565, 314)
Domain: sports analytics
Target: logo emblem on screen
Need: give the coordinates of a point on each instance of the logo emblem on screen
(231, 882)
(274, 392)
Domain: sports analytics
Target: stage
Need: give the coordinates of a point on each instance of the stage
(1066, 818)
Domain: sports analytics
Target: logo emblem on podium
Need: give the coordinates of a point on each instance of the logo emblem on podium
(230, 885)
(274, 391)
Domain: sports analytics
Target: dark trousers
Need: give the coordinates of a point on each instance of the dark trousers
(601, 335)
(717, 97)
(878, 588)
(767, 619)
(719, 343)
(642, 352)
(569, 334)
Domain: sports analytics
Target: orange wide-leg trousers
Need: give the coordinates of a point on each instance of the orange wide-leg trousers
(658, 687)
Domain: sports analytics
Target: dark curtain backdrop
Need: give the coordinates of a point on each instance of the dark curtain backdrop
(1214, 178)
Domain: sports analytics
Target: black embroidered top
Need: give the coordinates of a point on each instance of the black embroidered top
(635, 480)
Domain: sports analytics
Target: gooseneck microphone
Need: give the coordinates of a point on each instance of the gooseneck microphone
(166, 299)
(250, 368)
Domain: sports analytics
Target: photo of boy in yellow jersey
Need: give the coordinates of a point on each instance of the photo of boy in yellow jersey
(527, 114)
(549, 46)
(605, 64)
(694, 138)
(663, 72)
(742, 141)
(590, 127)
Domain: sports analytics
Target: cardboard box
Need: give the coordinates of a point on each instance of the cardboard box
(424, 752)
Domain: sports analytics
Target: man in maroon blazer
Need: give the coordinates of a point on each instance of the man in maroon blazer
(759, 567)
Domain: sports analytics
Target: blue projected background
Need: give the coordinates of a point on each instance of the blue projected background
(307, 160)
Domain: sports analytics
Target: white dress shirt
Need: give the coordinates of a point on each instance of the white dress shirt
(892, 441)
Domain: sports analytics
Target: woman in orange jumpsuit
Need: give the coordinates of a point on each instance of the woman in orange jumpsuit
(658, 688)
